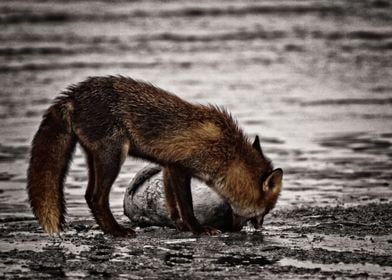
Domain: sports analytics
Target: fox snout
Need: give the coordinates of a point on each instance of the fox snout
(257, 222)
(238, 221)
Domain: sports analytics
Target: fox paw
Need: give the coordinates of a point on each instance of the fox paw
(180, 225)
(195, 228)
(207, 231)
(123, 232)
(211, 231)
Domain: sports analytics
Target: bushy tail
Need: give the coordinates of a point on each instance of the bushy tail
(51, 153)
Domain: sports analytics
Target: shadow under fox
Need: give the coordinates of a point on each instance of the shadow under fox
(113, 117)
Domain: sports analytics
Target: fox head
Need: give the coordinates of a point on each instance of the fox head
(271, 187)
(271, 190)
(264, 194)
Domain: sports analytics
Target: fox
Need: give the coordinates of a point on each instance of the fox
(113, 117)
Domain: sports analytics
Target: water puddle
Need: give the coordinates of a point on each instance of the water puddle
(379, 245)
(235, 260)
(373, 269)
(180, 241)
(172, 259)
(30, 243)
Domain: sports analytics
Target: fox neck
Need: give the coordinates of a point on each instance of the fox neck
(239, 186)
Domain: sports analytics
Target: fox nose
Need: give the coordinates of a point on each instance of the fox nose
(237, 222)
(257, 222)
(261, 221)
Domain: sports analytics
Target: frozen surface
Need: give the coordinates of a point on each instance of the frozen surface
(312, 78)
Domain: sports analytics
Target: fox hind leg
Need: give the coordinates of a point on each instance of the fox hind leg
(91, 177)
(104, 167)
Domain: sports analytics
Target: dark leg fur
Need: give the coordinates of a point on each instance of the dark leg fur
(104, 168)
(171, 201)
(91, 178)
(179, 181)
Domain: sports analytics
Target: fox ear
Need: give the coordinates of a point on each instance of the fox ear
(273, 183)
(256, 145)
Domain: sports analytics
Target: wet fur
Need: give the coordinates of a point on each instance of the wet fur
(113, 117)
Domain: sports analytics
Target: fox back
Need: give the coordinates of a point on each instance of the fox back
(113, 117)
(160, 126)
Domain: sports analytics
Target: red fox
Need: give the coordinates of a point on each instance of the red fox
(113, 117)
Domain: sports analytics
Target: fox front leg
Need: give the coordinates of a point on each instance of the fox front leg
(178, 184)
(171, 201)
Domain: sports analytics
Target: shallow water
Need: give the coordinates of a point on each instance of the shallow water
(312, 78)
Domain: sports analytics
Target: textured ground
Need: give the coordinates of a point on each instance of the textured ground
(313, 243)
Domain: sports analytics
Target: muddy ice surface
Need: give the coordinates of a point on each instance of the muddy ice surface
(312, 78)
(315, 243)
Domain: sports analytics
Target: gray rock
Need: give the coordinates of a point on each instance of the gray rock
(144, 202)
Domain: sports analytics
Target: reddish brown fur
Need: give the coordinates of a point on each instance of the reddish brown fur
(50, 155)
(112, 117)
